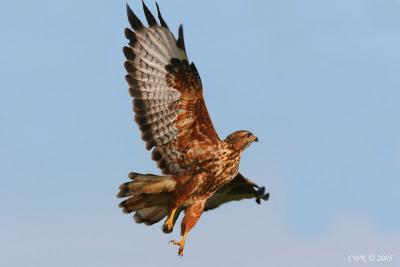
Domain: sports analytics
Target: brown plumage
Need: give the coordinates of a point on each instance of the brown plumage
(201, 170)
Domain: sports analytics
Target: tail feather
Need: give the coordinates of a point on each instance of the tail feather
(148, 176)
(148, 195)
(142, 201)
(146, 184)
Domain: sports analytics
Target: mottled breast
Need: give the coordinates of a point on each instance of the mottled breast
(220, 169)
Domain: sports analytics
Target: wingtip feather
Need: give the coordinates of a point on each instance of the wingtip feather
(133, 19)
(161, 18)
(149, 16)
(181, 41)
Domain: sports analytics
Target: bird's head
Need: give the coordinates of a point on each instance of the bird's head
(240, 140)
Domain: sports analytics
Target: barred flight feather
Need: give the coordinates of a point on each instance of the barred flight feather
(150, 106)
(149, 118)
(167, 92)
(133, 68)
(151, 103)
(154, 110)
(160, 124)
(153, 94)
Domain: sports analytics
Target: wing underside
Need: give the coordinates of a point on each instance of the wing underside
(167, 93)
(238, 189)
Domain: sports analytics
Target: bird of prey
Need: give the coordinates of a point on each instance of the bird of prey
(200, 170)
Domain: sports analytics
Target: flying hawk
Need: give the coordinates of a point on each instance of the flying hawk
(201, 171)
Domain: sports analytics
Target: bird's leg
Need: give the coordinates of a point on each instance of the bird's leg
(192, 215)
(181, 243)
(169, 222)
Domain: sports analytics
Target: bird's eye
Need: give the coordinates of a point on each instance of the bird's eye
(249, 134)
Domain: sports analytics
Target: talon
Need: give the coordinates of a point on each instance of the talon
(261, 190)
(175, 242)
(181, 245)
(261, 195)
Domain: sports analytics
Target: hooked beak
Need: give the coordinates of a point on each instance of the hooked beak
(256, 140)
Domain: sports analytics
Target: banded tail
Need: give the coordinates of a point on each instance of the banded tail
(148, 196)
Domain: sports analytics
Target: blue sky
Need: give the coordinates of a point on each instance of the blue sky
(317, 81)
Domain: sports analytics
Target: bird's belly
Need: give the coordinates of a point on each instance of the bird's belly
(210, 186)
(210, 177)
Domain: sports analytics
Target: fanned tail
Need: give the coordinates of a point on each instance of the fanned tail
(148, 196)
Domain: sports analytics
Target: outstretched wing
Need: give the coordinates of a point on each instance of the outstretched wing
(238, 189)
(167, 93)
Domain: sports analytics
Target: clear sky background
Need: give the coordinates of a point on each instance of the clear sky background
(317, 81)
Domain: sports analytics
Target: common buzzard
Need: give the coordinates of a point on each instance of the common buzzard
(200, 170)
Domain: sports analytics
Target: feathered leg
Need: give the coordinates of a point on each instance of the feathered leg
(192, 215)
(169, 222)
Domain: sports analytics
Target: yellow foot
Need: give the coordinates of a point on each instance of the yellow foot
(181, 245)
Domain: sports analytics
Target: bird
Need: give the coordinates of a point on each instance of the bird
(200, 171)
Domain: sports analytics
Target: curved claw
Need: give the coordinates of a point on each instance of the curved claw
(181, 245)
(175, 242)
